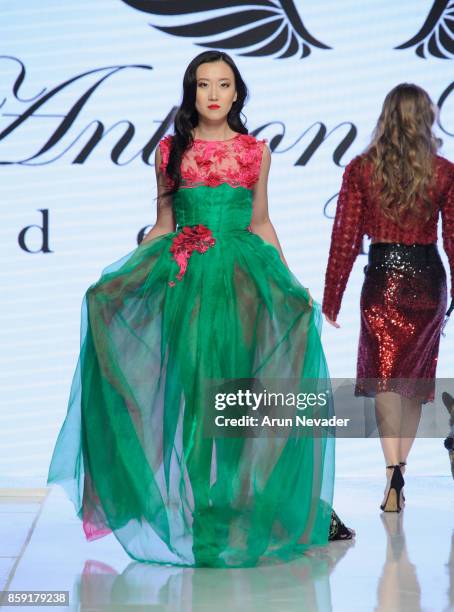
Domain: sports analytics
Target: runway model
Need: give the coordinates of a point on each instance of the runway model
(394, 193)
(207, 295)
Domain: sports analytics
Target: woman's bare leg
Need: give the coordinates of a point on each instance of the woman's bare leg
(388, 414)
(411, 416)
(397, 420)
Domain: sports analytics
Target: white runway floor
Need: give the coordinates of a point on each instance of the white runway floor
(398, 562)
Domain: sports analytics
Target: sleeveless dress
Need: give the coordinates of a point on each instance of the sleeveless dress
(210, 301)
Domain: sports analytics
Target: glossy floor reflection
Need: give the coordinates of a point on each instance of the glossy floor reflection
(398, 561)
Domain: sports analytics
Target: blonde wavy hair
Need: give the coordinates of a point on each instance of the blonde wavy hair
(402, 151)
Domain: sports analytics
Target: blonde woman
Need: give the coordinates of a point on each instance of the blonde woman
(394, 193)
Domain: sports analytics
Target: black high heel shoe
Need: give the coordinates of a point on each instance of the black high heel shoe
(339, 530)
(402, 464)
(392, 502)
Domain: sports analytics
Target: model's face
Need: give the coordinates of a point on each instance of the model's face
(215, 90)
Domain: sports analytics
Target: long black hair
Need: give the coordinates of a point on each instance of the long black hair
(186, 117)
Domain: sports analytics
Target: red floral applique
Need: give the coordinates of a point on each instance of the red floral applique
(204, 159)
(213, 179)
(191, 176)
(164, 146)
(191, 238)
(220, 154)
(235, 161)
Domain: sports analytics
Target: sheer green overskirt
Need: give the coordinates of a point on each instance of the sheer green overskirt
(133, 454)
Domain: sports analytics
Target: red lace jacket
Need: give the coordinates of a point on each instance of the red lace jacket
(359, 213)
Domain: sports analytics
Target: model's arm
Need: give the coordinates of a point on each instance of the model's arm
(447, 220)
(261, 223)
(346, 240)
(165, 219)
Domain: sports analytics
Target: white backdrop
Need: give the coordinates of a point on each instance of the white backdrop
(68, 67)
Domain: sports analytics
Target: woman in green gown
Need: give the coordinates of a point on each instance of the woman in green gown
(206, 296)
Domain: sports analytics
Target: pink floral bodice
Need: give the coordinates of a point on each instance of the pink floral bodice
(235, 161)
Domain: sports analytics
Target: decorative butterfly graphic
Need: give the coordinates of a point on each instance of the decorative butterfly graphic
(261, 27)
(436, 37)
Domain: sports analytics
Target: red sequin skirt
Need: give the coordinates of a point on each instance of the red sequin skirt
(403, 302)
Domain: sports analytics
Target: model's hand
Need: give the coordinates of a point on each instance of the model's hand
(331, 322)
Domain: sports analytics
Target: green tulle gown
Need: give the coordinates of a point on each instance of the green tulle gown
(210, 301)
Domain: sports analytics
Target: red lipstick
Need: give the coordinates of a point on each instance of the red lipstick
(214, 106)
